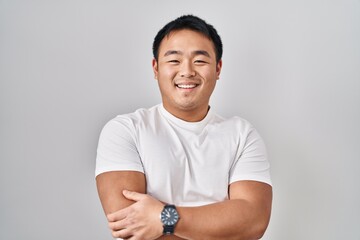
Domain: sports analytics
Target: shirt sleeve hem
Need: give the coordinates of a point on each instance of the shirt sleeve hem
(251, 178)
(99, 171)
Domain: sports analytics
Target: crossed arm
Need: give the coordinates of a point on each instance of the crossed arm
(132, 214)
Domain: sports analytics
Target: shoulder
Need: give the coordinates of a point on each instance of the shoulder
(235, 124)
(128, 123)
(136, 117)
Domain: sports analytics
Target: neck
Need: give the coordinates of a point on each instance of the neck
(195, 115)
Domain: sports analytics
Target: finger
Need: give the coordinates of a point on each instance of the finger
(123, 233)
(135, 196)
(118, 225)
(118, 215)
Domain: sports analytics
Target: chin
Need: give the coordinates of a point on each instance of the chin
(189, 106)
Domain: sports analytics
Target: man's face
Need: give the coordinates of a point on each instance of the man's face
(186, 71)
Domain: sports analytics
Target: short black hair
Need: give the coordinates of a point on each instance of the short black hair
(190, 22)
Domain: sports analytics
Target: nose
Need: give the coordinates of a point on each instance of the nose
(187, 70)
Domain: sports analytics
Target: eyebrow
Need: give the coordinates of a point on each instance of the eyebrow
(197, 52)
(172, 52)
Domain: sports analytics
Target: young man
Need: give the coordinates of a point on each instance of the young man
(206, 176)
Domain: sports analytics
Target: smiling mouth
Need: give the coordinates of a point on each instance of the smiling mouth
(186, 86)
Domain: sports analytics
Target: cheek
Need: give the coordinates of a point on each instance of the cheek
(210, 76)
(167, 72)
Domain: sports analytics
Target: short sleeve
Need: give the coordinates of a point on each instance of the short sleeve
(117, 149)
(251, 162)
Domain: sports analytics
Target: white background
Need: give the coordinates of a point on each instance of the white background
(292, 68)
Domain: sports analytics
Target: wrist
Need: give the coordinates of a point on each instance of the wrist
(169, 218)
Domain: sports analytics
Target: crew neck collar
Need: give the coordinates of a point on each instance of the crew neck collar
(194, 126)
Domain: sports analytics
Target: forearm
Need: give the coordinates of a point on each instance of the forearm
(231, 219)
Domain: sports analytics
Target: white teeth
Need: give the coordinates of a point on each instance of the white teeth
(187, 86)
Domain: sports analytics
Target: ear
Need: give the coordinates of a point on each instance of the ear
(155, 68)
(218, 69)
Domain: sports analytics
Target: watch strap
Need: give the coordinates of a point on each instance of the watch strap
(170, 206)
(168, 230)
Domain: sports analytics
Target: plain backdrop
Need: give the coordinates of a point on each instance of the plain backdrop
(292, 68)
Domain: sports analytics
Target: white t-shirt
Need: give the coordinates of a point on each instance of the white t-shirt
(185, 163)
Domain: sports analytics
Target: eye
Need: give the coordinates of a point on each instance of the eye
(173, 61)
(200, 61)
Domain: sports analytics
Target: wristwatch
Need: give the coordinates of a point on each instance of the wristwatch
(169, 217)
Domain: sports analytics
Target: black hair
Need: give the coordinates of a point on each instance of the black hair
(192, 23)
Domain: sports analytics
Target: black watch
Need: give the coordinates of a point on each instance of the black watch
(169, 217)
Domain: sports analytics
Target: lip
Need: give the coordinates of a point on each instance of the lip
(187, 83)
(186, 86)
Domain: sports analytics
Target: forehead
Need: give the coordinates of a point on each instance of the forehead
(186, 41)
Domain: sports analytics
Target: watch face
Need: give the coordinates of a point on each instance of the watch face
(169, 216)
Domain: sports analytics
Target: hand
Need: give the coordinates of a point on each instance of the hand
(140, 220)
